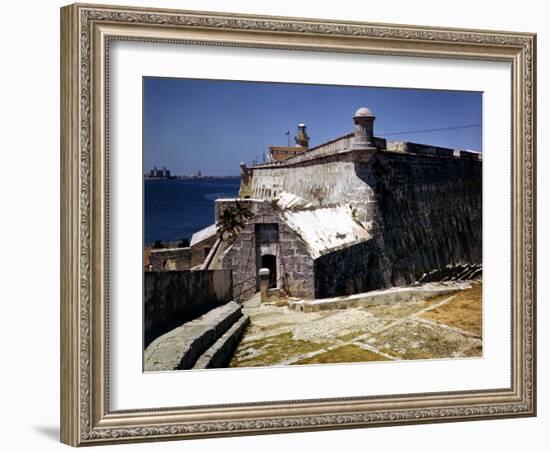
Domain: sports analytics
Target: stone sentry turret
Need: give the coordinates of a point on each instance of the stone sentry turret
(363, 138)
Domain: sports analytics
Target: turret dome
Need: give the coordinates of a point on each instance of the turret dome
(363, 112)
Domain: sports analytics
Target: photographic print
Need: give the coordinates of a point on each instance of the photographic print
(289, 224)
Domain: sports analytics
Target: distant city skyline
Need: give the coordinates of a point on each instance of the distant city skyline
(192, 125)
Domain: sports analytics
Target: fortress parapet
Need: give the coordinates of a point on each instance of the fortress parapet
(430, 150)
(335, 163)
(347, 147)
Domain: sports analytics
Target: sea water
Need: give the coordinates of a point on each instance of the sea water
(175, 209)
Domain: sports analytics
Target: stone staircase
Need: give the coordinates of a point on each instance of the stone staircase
(206, 342)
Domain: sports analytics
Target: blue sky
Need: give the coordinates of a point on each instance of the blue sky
(212, 125)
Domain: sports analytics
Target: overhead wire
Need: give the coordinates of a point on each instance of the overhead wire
(430, 130)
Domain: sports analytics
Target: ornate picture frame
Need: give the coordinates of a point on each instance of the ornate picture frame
(87, 32)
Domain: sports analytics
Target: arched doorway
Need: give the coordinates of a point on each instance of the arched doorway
(270, 262)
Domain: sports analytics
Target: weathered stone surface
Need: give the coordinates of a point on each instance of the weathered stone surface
(181, 347)
(223, 349)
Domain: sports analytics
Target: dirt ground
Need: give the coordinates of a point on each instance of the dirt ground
(446, 326)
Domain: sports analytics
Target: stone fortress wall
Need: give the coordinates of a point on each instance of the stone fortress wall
(425, 214)
(173, 297)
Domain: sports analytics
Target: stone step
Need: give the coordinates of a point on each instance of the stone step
(221, 352)
(181, 347)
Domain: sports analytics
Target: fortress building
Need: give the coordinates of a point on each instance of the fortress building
(354, 214)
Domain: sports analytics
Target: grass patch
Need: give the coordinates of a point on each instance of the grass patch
(276, 326)
(345, 354)
(273, 350)
(464, 311)
(350, 336)
(391, 352)
(281, 303)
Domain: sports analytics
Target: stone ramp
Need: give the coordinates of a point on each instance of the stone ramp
(183, 346)
(381, 297)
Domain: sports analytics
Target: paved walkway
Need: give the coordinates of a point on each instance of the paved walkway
(447, 326)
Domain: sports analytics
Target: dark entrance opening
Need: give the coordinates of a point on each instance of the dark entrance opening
(270, 262)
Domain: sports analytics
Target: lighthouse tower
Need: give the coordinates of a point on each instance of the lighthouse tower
(302, 139)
